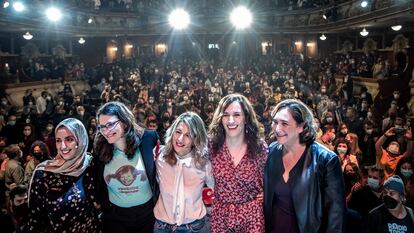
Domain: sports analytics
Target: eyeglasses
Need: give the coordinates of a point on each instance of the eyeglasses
(108, 126)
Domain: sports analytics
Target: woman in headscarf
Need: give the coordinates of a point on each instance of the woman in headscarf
(61, 193)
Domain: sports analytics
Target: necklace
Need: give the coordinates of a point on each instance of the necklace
(237, 153)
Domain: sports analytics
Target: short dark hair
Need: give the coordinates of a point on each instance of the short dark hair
(327, 127)
(302, 114)
(19, 190)
(12, 151)
(376, 168)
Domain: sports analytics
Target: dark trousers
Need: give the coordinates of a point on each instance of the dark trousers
(136, 219)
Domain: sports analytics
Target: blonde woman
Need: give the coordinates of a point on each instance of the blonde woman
(183, 169)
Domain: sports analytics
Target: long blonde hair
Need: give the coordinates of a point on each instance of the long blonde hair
(198, 135)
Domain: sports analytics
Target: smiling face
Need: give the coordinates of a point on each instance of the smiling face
(127, 178)
(111, 128)
(286, 129)
(66, 143)
(234, 120)
(182, 141)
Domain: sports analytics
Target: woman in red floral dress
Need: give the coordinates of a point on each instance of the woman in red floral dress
(238, 157)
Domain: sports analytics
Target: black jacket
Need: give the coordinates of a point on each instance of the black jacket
(148, 142)
(317, 189)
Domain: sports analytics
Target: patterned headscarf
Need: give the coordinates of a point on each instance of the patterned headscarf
(78, 164)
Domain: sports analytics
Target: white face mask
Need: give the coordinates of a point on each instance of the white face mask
(373, 183)
(344, 131)
(406, 172)
(341, 151)
(329, 119)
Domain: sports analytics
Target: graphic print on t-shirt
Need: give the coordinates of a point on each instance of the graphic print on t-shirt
(396, 228)
(127, 180)
(126, 175)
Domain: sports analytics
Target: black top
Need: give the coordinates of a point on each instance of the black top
(284, 216)
(380, 220)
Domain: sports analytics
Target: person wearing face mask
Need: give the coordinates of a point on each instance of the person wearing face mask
(342, 149)
(404, 170)
(368, 196)
(81, 114)
(389, 157)
(399, 101)
(352, 178)
(62, 195)
(26, 139)
(10, 129)
(39, 152)
(392, 215)
(41, 102)
(328, 119)
(15, 218)
(342, 131)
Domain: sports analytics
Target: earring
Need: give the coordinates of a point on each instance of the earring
(76, 147)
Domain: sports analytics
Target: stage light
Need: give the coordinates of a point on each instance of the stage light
(90, 20)
(322, 37)
(81, 40)
(241, 17)
(27, 36)
(6, 4)
(396, 27)
(53, 14)
(179, 19)
(129, 46)
(364, 4)
(364, 32)
(18, 6)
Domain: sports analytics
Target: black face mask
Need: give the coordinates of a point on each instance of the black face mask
(389, 202)
(21, 210)
(350, 177)
(38, 156)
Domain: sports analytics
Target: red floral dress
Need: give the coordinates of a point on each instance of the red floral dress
(236, 206)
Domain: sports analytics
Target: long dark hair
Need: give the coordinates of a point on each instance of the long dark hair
(133, 131)
(216, 129)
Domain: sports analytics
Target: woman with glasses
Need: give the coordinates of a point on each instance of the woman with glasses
(62, 192)
(238, 157)
(183, 169)
(126, 185)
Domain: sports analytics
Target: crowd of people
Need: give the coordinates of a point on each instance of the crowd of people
(282, 146)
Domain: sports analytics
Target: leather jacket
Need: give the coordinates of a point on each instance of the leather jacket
(317, 189)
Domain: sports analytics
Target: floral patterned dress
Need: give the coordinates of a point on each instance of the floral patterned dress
(238, 193)
(60, 203)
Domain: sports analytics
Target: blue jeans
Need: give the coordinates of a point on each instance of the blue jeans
(198, 226)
